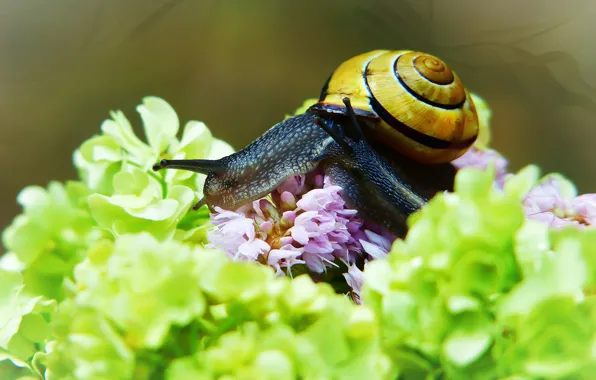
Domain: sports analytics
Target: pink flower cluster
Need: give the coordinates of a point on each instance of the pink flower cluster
(481, 159)
(545, 202)
(304, 221)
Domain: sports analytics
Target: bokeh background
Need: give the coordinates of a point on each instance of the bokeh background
(241, 65)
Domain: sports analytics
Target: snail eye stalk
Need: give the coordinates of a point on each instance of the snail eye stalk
(198, 166)
(199, 204)
(353, 119)
(331, 132)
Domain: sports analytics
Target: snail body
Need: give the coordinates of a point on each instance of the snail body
(383, 169)
(292, 147)
(371, 185)
(297, 146)
(412, 102)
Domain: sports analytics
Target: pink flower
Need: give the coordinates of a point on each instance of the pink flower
(355, 279)
(480, 159)
(304, 221)
(252, 249)
(234, 230)
(285, 257)
(376, 246)
(293, 185)
(585, 208)
(546, 203)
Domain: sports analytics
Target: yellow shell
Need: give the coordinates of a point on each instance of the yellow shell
(418, 104)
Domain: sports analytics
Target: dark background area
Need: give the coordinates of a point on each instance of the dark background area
(240, 66)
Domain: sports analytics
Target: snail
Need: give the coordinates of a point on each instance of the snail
(385, 136)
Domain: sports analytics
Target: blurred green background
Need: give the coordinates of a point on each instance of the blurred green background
(241, 65)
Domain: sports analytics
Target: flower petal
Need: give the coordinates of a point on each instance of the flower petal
(160, 122)
(120, 129)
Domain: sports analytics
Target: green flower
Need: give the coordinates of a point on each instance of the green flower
(50, 237)
(143, 286)
(554, 340)
(142, 308)
(248, 353)
(321, 333)
(280, 328)
(139, 204)
(128, 300)
(280, 352)
(549, 316)
(101, 157)
(484, 116)
(435, 292)
(305, 105)
(23, 322)
(128, 196)
(86, 346)
(558, 271)
(477, 291)
(98, 159)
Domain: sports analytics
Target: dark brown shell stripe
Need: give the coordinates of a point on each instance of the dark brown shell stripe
(325, 88)
(411, 133)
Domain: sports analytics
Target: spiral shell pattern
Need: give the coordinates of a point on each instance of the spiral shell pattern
(420, 105)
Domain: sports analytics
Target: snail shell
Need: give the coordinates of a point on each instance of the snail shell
(414, 102)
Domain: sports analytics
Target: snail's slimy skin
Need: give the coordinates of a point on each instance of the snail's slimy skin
(292, 147)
